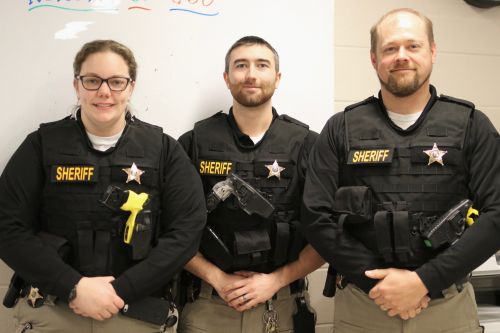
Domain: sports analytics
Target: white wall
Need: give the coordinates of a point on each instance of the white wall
(468, 67)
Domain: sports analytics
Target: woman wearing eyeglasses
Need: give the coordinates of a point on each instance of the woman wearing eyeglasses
(98, 210)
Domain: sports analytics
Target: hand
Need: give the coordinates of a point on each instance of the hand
(254, 289)
(424, 302)
(399, 291)
(224, 280)
(405, 315)
(96, 298)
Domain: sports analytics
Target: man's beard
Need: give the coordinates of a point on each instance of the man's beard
(252, 100)
(401, 87)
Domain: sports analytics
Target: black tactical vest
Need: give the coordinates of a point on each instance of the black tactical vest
(407, 191)
(77, 176)
(254, 242)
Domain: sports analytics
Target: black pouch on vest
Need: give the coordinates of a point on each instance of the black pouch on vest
(281, 243)
(297, 241)
(143, 235)
(214, 249)
(251, 248)
(303, 320)
(149, 309)
(356, 202)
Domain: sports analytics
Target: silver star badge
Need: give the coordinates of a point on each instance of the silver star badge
(133, 173)
(274, 170)
(435, 155)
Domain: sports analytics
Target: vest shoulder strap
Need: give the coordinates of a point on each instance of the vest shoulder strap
(52, 123)
(462, 102)
(216, 115)
(156, 128)
(292, 120)
(368, 100)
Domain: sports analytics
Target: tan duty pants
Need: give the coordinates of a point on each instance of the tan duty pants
(60, 318)
(355, 312)
(211, 314)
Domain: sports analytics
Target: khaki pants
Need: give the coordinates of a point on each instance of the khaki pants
(60, 318)
(355, 312)
(211, 314)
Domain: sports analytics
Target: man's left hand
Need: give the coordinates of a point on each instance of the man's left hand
(398, 290)
(250, 292)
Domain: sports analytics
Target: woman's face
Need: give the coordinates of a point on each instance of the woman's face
(103, 110)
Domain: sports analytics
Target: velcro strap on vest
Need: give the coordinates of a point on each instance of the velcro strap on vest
(383, 231)
(421, 206)
(281, 244)
(370, 134)
(85, 247)
(93, 252)
(401, 228)
(66, 203)
(417, 188)
(402, 152)
(271, 183)
(412, 170)
(285, 214)
(428, 206)
(297, 241)
(240, 166)
(437, 132)
(101, 250)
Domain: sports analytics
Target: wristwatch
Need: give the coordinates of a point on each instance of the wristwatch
(72, 294)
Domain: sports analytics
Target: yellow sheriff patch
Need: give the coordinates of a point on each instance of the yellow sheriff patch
(370, 156)
(215, 168)
(73, 174)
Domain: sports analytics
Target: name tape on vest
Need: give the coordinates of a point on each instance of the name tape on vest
(74, 174)
(215, 168)
(371, 156)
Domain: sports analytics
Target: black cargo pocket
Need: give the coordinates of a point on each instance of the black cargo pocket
(142, 237)
(251, 248)
(356, 202)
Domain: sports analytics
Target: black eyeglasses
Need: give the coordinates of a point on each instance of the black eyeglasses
(94, 82)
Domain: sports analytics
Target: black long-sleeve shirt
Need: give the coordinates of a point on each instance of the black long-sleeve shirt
(480, 241)
(183, 216)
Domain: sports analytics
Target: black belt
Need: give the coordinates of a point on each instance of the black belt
(342, 282)
(296, 286)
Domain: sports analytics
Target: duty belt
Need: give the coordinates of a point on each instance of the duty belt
(194, 290)
(341, 282)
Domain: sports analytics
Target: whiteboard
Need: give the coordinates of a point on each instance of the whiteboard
(179, 46)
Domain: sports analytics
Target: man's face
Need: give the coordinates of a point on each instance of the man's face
(252, 76)
(403, 58)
